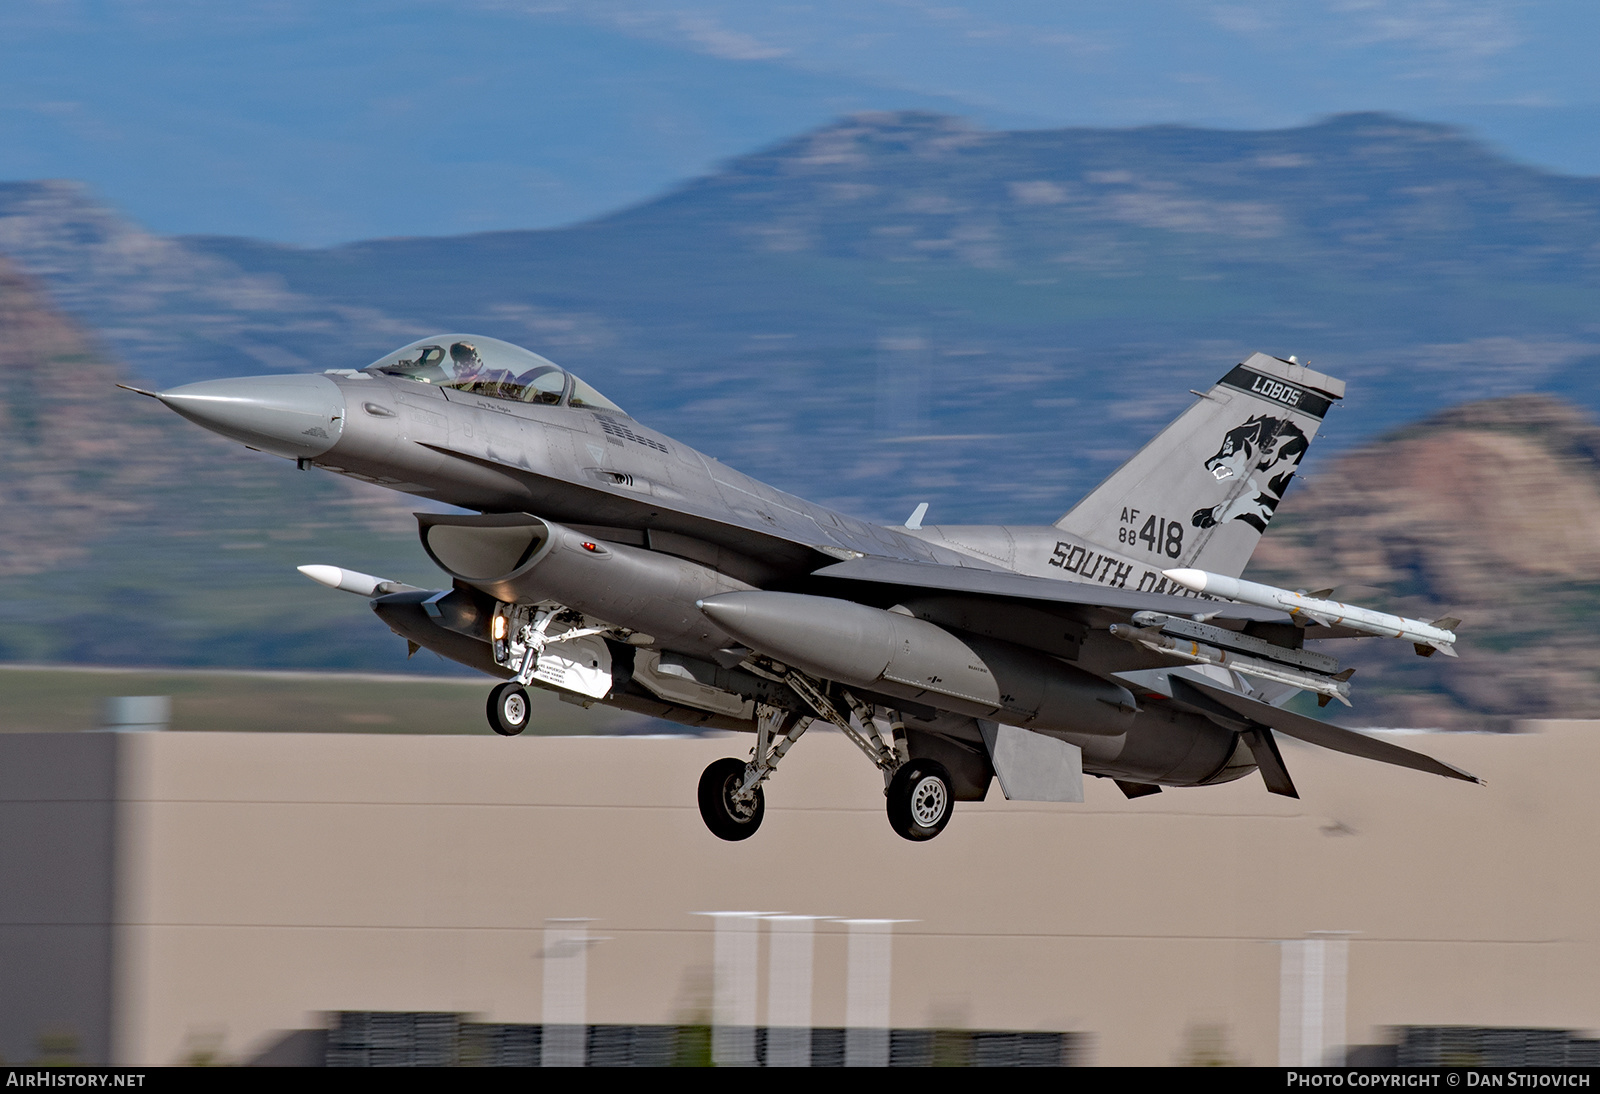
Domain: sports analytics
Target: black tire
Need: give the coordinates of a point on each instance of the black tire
(920, 800)
(508, 709)
(726, 818)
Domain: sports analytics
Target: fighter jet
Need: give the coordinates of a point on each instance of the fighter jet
(604, 560)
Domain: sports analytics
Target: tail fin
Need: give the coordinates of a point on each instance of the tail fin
(1201, 493)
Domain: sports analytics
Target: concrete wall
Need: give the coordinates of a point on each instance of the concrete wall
(263, 879)
(57, 881)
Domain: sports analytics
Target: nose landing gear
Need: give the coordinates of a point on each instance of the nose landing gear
(508, 709)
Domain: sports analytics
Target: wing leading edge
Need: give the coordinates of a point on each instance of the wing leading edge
(924, 577)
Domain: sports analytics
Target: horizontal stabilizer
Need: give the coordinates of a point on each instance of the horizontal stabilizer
(1253, 713)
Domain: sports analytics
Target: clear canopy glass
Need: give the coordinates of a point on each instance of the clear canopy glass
(488, 366)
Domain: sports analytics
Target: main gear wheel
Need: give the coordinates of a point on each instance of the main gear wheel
(730, 817)
(920, 800)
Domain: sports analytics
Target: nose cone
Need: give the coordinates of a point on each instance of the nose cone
(758, 619)
(298, 417)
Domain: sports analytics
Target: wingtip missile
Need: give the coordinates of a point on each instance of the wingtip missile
(1200, 581)
(353, 581)
(1427, 637)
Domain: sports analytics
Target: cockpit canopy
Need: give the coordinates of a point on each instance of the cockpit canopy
(488, 366)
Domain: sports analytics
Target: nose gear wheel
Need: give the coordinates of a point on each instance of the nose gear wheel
(508, 709)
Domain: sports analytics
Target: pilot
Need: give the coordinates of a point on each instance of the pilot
(469, 366)
(473, 375)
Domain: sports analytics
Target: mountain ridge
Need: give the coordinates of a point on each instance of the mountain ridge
(893, 309)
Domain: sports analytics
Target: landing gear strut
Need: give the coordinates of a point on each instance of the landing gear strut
(731, 801)
(919, 793)
(508, 709)
(919, 796)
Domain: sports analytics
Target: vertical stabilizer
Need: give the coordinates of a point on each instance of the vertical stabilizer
(1203, 491)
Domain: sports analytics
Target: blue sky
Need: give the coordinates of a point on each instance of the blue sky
(316, 123)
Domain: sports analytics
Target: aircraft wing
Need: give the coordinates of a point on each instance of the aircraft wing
(620, 517)
(1248, 713)
(894, 575)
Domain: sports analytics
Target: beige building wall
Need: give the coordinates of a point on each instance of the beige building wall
(261, 879)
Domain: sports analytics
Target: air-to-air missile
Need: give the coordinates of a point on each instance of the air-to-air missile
(354, 581)
(1427, 637)
(1200, 644)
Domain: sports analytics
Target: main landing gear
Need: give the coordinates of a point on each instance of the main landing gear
(920, 801)
(919, 796)
(731, 800)
(729, 810)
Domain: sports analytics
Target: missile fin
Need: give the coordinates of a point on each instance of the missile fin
(1448, 623)
(1423, 649)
